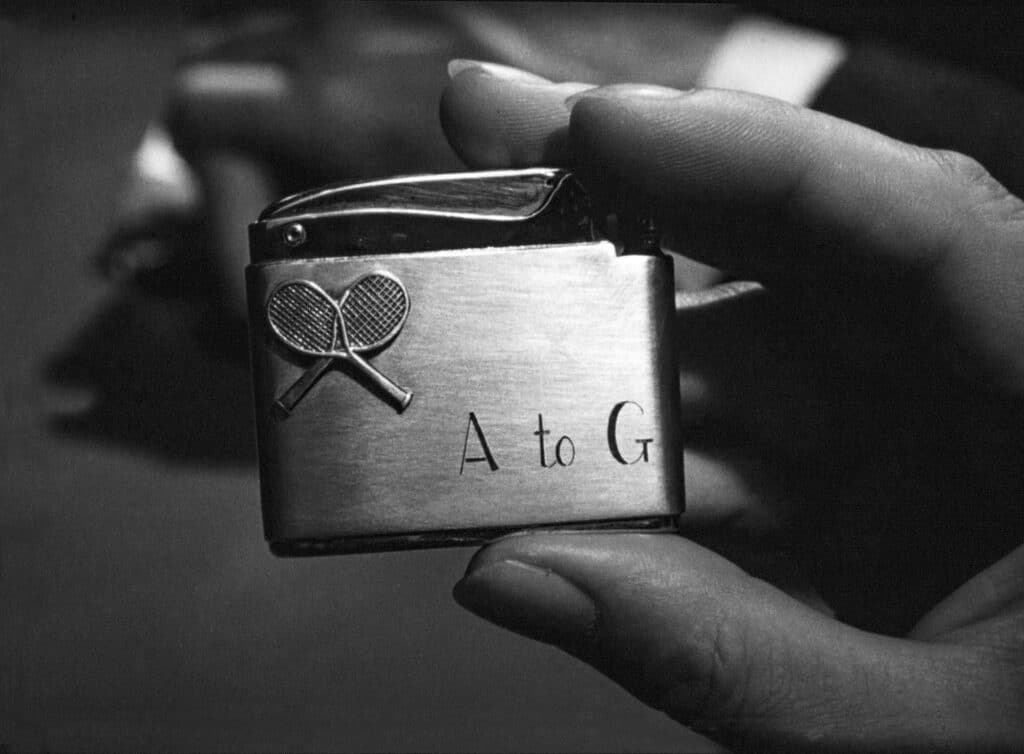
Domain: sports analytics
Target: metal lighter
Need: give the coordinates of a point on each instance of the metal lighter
(440, 359)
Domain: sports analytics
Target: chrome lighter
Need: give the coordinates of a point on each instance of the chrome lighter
(439, 359)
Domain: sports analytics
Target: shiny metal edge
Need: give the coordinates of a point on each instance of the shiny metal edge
(315, 194)
(462, 537)
(474, 251)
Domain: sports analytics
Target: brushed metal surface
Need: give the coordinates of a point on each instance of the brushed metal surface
(512, 347)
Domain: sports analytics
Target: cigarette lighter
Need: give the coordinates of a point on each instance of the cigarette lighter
(441, 359)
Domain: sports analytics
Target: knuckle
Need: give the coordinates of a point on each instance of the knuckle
(726, 688)
(957, 166)
(983, 195)
(712, 688)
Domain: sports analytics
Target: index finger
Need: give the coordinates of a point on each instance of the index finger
(726, 149)
(766, 160)
(786, 195)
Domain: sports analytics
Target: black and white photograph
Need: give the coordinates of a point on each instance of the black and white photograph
(511, 376)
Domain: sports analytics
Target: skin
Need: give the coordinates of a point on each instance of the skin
(851, 574)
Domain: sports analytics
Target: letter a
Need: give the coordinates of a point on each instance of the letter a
(475, 425)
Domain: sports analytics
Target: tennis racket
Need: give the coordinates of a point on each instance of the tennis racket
(370, 313)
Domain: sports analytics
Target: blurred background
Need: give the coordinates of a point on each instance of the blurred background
(139, 606)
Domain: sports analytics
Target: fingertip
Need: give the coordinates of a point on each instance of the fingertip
(467, 125)
(494, 122)
(530, 600)
(627, 92)
(457, 66)
(523, 546)
(588, 557)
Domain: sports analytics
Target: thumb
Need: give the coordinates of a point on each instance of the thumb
(689, 633)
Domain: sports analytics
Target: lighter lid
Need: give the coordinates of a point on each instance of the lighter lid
(426, 213)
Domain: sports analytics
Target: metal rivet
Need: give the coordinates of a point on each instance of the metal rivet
(294, 235)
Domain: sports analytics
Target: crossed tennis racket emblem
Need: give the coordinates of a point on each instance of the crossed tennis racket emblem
(369, 314)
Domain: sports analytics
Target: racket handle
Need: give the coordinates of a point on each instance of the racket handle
(399, 395)
(301, 386)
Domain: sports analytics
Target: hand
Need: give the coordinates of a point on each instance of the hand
(855, 426)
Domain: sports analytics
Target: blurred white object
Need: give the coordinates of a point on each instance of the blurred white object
(774, 59)
(160, 194)
(225, 79)
(160, 182)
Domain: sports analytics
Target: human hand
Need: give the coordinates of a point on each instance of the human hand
(863, 409)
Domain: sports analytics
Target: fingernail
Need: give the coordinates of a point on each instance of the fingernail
(529, 600)
(498, 71)
(627, 91)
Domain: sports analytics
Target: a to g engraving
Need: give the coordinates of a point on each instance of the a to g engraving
(557, 451)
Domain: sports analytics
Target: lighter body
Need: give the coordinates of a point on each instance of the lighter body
(543, 393)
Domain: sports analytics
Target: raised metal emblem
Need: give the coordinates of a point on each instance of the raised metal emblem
(369, 314)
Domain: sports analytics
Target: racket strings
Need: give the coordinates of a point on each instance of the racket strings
(373, 309)
(302, 318)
